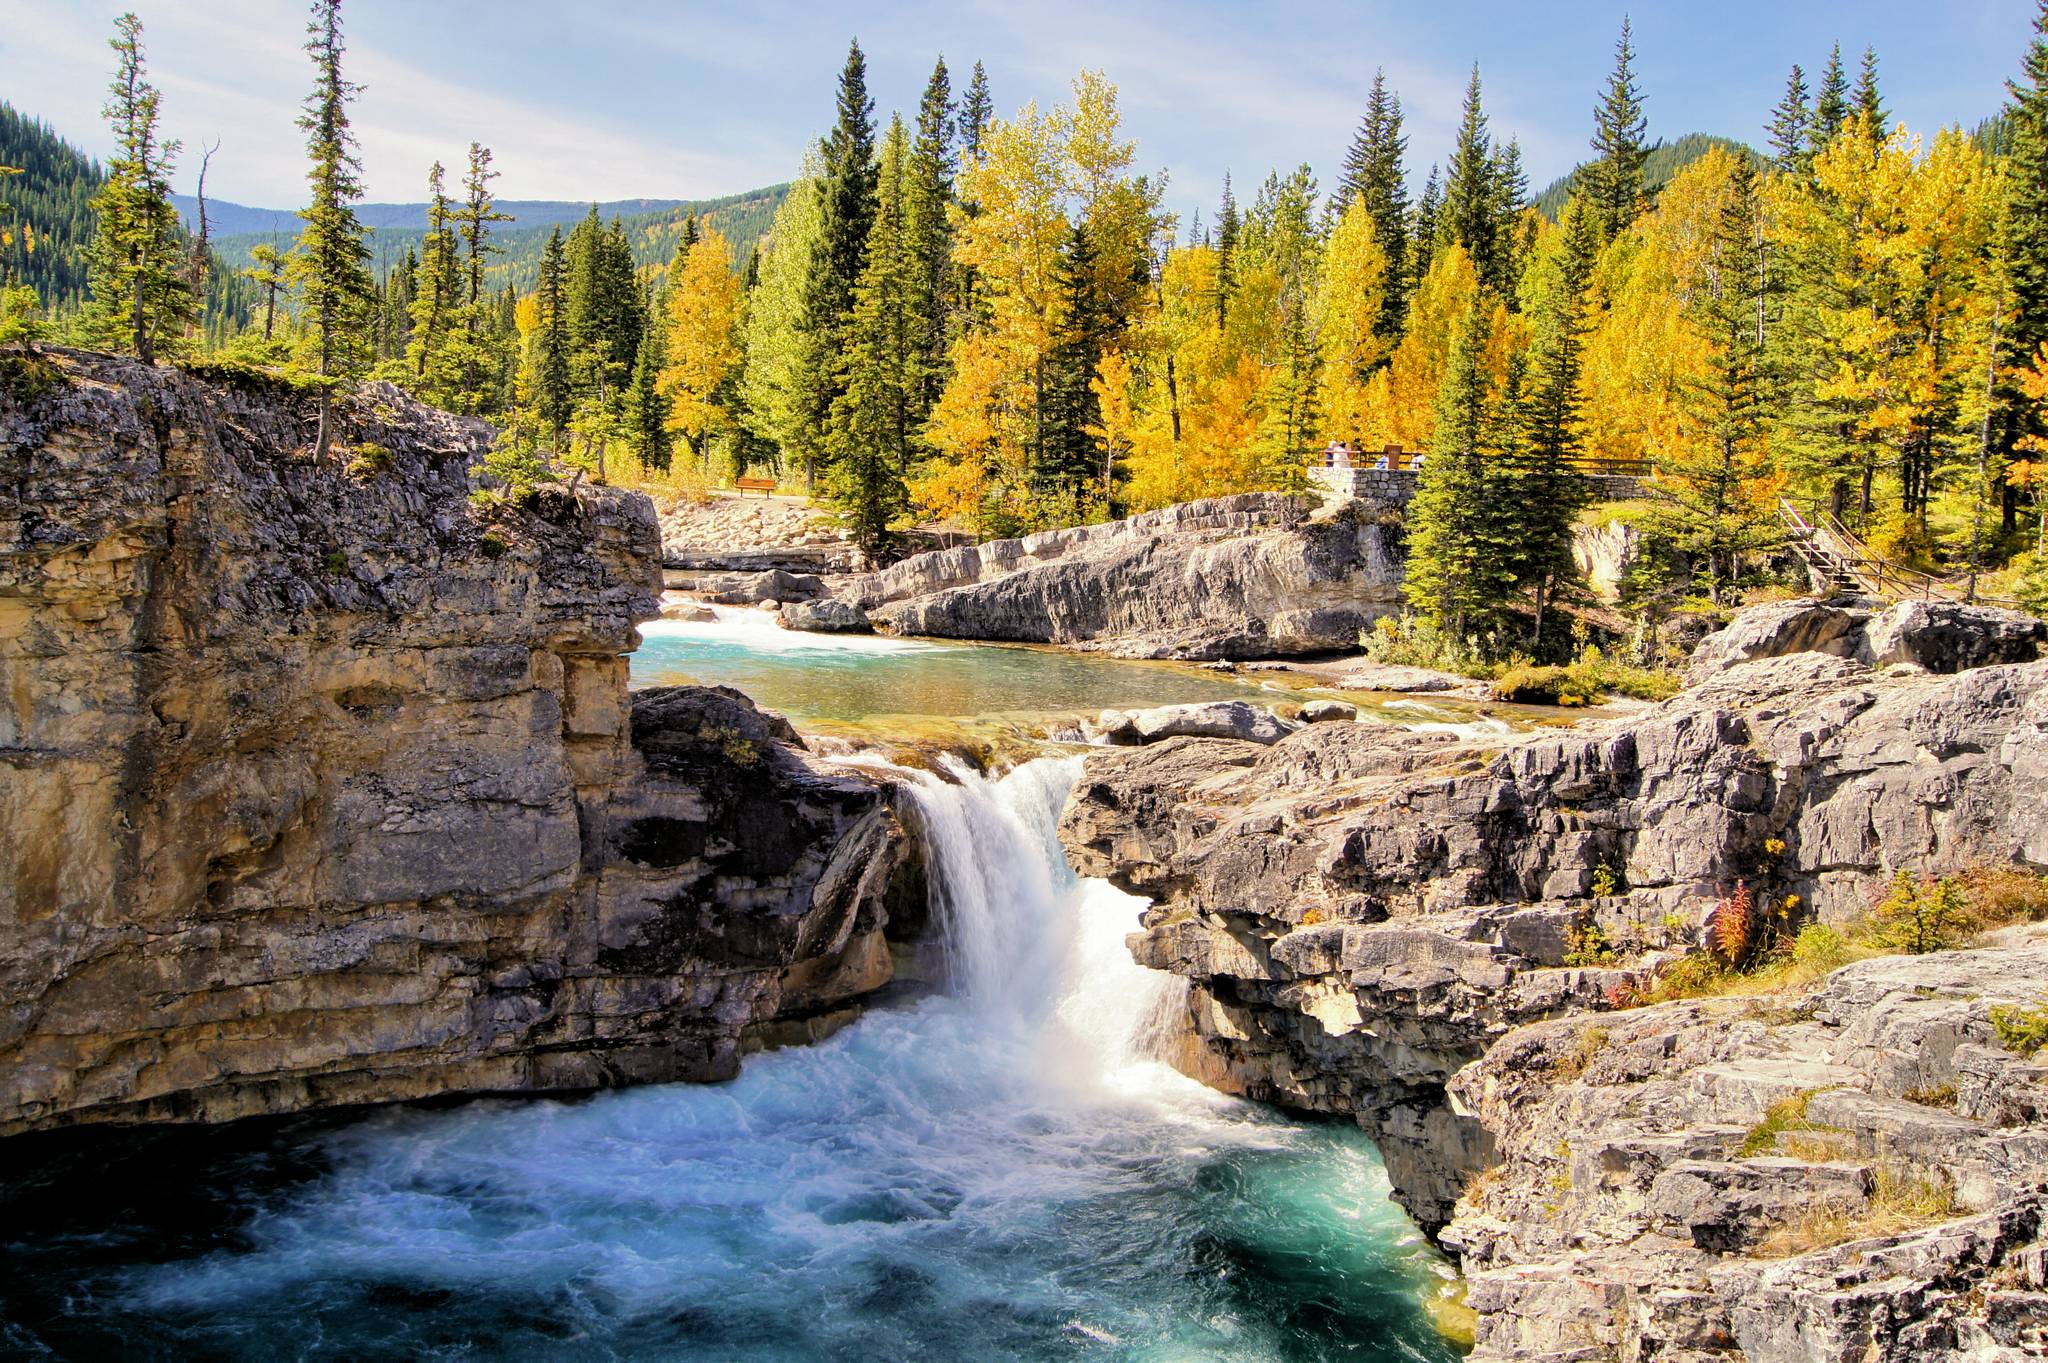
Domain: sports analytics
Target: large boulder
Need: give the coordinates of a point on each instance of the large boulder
(1947, 636)
(1213, 719)
(1774, 631)
(830, 616)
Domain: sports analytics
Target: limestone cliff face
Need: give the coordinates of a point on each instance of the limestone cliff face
(320, 789)
(1249, 576)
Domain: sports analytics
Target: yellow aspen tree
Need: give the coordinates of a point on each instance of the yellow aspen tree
(703, 342)
(1403, 410)
(1350, 300)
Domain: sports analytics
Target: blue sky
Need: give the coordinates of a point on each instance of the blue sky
(630, 98)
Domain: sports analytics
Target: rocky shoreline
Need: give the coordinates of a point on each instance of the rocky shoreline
(1439, 938)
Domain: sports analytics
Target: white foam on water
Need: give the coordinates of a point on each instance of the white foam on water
(1001, 1171)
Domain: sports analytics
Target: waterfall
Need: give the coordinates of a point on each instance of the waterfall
(1028, 945)
(996, 1170)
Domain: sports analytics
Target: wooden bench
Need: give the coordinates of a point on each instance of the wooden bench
(764, 486)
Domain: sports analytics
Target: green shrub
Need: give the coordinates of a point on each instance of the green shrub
(1586, 944)
(492, 544)
(370, 460)
(1819, 947)
(1920, 915)
(1607, 880)
(2023, 1031)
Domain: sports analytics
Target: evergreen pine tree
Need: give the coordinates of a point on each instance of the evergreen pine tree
(1542, 491)
(1422, 235)
(1510, 197)
(1614, 180)
(1458, 576)
(928, 242)
(647, 433)
(1869, 105)
(1790, 122)
(141, 298)
(848, 215)
(266, 271)
(1712, 472)
(1831, 104)
(2018, 421)
(873, 419)
(331, 264)
(552, 339)
(438, 292)
(1228, 226)
(1069, 456)
(479, 211)
(977, 111)
(1373, 172)
(1470, 213)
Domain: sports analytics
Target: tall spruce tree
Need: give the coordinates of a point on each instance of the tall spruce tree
(1470, 214)
(1867, 102)
(928, 242)
(141, 298)
(977, 111)
(1541, 491)
(2018, 421)
(1069, 456)
(1459, 573)
(1510, 197)
(1790, 123)
(1373, 173)
(847, 215)
(1423, 229)
(552, 339)
(1713, 471)
(438, 290)
(331, 264)
(873, 418)
(479, 211)
(1229, 225)
(1831, 102)
(1614, 180)
(647, 432)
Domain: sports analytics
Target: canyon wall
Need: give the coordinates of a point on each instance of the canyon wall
(322, 784)
(1428, 933)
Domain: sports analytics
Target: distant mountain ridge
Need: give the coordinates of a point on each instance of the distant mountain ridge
(228, 219)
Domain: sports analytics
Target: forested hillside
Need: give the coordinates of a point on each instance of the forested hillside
(42, 241)
(1661, 162)
(653, 230)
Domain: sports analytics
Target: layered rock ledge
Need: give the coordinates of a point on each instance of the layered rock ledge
(1366, 915)
(323, 786)
(1250, 576)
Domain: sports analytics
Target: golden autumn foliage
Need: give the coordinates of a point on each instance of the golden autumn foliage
(703, 342)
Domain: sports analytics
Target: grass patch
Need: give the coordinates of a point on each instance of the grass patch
(1941, 1095)
(1588, 1045)
(1783, 1117)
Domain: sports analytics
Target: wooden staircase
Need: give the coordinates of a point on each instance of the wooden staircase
(1840, 564)
(1827, 568)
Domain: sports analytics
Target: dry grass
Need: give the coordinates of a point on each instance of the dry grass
(1900, 1200)
(1571, 1064)
(1786, 1116)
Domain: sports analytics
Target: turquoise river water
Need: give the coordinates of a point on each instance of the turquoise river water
(997, 1171)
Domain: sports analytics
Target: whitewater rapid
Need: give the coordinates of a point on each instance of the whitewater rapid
(999, 1171)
